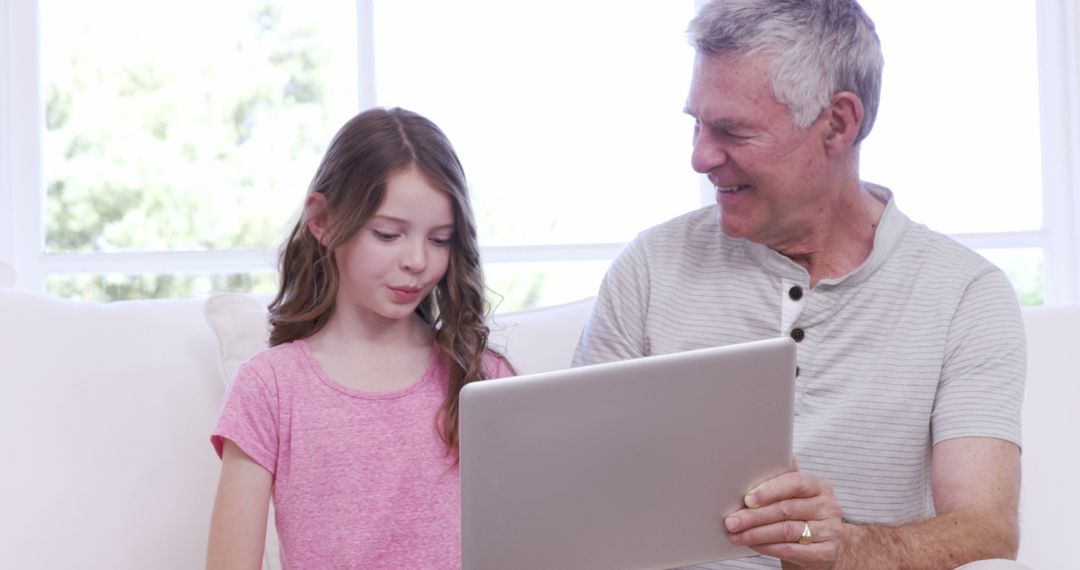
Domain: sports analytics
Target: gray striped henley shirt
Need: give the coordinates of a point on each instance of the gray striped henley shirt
(923, 342)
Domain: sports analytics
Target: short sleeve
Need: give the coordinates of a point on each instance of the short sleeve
(615, 329)
(249, 417)
(982, 378)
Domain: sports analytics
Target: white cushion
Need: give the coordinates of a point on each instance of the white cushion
(105, 416)
(240, 328)
(538, 340)
(1051, 456)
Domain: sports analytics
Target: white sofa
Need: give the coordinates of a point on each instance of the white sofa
(105, 411)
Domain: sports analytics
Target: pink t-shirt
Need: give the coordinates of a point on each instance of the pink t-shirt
(361, 480)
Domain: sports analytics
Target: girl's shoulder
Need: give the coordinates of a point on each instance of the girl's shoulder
(276, 359)
(267, 375)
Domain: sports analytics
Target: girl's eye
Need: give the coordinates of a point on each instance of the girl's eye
(384, 236)
(441, 242)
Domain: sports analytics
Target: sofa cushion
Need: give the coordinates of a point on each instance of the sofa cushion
(1051, 457)
(240, 328)
(539, 340)
(105, 411)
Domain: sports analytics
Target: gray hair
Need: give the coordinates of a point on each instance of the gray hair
(821, 47)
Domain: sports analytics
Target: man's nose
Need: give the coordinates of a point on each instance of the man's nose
(708, 154)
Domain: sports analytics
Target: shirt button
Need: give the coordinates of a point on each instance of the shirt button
(798, 335)
(795, 293)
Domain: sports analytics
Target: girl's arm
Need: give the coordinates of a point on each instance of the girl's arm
(238, 525)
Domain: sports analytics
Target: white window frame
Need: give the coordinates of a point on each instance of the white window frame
(22, 210)
(1058, 35)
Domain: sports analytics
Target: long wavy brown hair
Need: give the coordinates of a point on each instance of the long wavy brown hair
(363, 155)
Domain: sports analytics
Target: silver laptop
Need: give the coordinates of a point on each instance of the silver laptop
(630, 464)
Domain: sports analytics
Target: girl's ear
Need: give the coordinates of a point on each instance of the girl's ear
(317, 216)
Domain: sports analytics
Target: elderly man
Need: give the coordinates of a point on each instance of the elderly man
(911, 353)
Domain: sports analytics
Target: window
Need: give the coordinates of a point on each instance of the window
(164, 151)
(203, 138)
(567, 116)
(957, 142)
(156, 142)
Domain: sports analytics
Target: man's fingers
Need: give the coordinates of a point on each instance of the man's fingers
(785, 532)
(786, 486)
(785, 510)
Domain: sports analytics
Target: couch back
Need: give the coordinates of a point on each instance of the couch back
(104, 452)
(105, 411)
(1051, 455)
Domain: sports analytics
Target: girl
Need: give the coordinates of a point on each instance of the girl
(349, 420)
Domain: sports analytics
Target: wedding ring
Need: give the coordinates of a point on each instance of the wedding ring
(806, 537)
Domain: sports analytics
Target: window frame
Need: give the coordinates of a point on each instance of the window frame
(22, 213)
(1058, 33)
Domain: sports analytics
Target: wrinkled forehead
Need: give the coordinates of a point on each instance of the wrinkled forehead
(731, 93)
(731, 76)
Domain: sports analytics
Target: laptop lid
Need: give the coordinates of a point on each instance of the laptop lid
(630, 464)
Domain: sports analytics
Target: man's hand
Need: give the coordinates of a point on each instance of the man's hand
(976, 486)
(776, 516)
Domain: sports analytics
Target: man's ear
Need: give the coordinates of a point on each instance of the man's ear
(317, 217)
(844, 117)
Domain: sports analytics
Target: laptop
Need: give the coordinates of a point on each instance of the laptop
(621, 465)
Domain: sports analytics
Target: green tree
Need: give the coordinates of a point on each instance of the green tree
(161, 146)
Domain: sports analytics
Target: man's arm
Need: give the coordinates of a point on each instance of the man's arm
(615, 329)
(976, 485)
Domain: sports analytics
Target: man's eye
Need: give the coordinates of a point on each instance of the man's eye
(730, 135)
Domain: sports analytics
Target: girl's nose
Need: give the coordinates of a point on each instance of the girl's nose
(415, 258)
